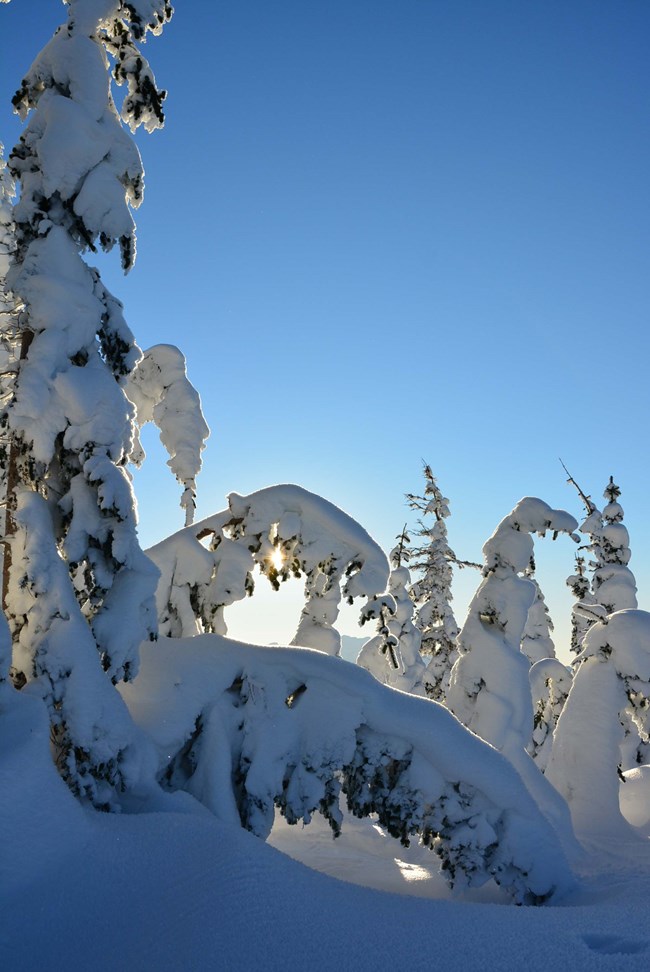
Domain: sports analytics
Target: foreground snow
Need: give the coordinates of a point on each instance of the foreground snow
(171, 887)
(173, 890)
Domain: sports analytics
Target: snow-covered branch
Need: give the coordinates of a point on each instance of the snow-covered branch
(161, 392)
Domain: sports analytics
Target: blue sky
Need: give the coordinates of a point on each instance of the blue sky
(382, 232)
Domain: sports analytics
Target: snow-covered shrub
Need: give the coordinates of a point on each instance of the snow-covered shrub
(287, 532)
(65, 414)
(550, 682)
(431, 592)
(603, 728)
(248, 729)
(489, 689)
(161, 392)
(393, 655)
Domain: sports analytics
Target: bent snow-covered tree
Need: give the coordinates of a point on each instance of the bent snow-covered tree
(68, 421)
(284, 530)
(247, 729)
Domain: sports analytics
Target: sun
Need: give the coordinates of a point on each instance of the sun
(277, 559)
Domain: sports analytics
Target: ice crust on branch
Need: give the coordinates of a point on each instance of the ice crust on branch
(248, 729)
(287, 532)
(162, 394)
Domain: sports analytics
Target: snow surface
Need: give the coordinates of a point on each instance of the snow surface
(176, 889)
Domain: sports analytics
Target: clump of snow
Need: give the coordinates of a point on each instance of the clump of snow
(634, 797)
(161, 392)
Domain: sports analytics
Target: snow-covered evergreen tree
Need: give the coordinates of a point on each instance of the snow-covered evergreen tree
(536, 642)
(161, 392)
(550, 683)
(393, 655)
(585, 611)
(489, 689)
(604, 724)
(614, 585)
(431, 592)
(68, 421)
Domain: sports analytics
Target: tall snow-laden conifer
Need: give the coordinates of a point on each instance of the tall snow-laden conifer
(431, 593)
(68, 420)
(614, 585)
(604, 726)
(489, 689)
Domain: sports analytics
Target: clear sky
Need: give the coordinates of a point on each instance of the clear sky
(390, 231)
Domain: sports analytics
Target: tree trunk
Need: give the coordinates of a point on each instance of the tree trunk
(12, 481)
